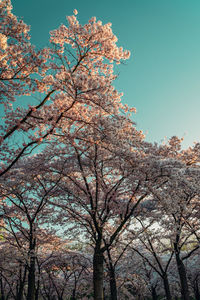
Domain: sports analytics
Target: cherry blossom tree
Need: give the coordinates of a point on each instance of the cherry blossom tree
(177, 203)
(13, 272)
(65, 274)
(24, 211)
(154, 252)
(102, 182)
(77, 76)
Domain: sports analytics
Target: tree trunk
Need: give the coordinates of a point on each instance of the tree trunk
(2, 290)
(32, 261)
(166, 287)
(112, 279)
(153, 293)
(21, 285)
(113, 286)
(182, 275)
(73, 297)
(31, 279)
(196, 290)
(98, 273)
(37, 290)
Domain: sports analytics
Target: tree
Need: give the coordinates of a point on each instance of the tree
(79, 75)
(150, 246)
(25, 212)
(65, 274)
(177, 203)
(102, 182)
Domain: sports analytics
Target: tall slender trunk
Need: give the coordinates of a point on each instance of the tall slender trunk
(196, 290)
(32, 262)
(2, 289)
(182, 274)
(31, 279)
(112, 279)
(73, 297)
(21, 284)
(37, 290)
(166, 287)
(113, 286)
(153, 293)
(98, 272)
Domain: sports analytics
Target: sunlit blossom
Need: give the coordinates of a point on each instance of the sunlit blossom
(75, 12)
(3, 42)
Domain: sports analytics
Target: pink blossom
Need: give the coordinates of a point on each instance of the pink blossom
(75, 12)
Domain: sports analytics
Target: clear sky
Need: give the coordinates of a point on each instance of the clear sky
(162, 77)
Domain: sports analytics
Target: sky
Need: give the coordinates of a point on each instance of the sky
(162, 77)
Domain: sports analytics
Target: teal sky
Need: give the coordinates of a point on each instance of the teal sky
(162, 77)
